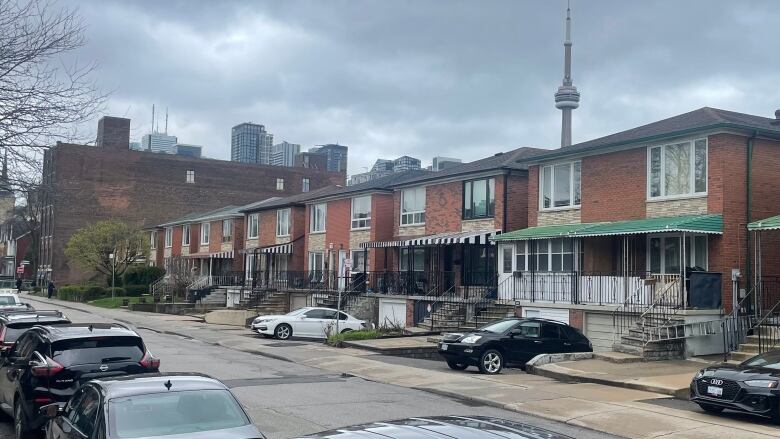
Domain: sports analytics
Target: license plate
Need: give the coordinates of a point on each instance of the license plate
(715, 391)
(443, 347)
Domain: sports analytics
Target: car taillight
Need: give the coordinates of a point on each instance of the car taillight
(149, 361)
(3, 345)
(46, 369)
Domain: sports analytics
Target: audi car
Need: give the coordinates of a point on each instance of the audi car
(752, 386)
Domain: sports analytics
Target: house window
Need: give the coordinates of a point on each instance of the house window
(552, 255)
(185, 235)
(413, 259)
(153, 240)
(361, 212)
(305, 186)
(279, 184)
(253, 227)
(665, 253)
(205, 231)
(283, 222)
(190, 176)
(561, 185)
(316, 262)
(677, 170)
(506, 258)
(227, 230)
(413, 206)
(360, 260)
(479, 198)
(318, 216)
(168, 237)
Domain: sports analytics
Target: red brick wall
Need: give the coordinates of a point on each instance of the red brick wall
(382, 227)
(614, 186)
(338, 225)
(397, 211)
(176, 249)
(443, 208)
(267, 229)
(577, 318)
(194, 237)
(239, 229)
(161, 247)
(533, 196)
(766, 200)
(517, 202)
(215, 236)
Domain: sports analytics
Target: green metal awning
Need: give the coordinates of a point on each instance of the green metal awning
(543, 232)
(772, 223)
(690, 223)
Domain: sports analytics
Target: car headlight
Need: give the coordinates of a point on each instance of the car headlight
(263, 320)
(699, 374)
(471, 339)
(769, 384)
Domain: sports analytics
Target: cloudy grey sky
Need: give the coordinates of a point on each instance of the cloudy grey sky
(425, 77)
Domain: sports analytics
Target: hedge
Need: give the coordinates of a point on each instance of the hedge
(142, 275)
(70, 292)
(136, 290)
(93, 292)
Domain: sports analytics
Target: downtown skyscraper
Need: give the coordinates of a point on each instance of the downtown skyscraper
(251, 143)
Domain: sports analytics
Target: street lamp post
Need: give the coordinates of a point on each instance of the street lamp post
(113, 270)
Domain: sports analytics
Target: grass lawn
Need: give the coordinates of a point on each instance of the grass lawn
(115, 302)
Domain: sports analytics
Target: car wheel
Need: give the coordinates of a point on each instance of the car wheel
(283, 331)
(457, 366)
(711, 408)
(346, 330)
(491, 362)
(21, 429)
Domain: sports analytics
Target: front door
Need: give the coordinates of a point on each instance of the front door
(342, 267)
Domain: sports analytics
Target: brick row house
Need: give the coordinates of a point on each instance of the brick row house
(619, 225)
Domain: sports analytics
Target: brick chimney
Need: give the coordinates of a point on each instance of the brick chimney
(113, 133)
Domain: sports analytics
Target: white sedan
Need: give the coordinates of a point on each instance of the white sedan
(306, 322)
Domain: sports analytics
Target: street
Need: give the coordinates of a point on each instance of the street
(285, 399)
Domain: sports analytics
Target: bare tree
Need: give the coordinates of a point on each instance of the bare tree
(43, 99)
(179, 275)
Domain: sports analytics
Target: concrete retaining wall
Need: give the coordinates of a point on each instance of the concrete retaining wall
(233, 317)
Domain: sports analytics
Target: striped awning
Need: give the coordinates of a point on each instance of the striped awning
(475, 237)
(211, 255)
(278, 249)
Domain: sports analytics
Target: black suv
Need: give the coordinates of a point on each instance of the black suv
(510, 341)
(48, 363)
(15, 323)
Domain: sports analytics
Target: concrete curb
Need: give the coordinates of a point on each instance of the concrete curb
(677, 393)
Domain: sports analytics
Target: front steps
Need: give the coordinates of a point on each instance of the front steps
(749, 348)
(270, 302)
(459, 316)
(668, 348)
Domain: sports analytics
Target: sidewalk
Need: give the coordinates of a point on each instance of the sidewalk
(620, 411)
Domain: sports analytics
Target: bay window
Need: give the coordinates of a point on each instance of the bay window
(253, 226)
(283, 222)
(361, 212)
(479, 198)
(561, 185)
(678, 169)
(318, 216)
(413, 206)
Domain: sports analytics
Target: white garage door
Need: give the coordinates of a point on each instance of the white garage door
(559, 315)
(392, 313)
(599, 330)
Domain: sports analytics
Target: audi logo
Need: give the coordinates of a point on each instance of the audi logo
(717, 382)
(103, 367)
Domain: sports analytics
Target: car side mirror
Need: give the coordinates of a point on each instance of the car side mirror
(515, 333)
(50, 411)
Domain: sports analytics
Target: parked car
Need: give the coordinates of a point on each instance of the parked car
(15, 323)
(752, 386)
(508, 341)
(306, 322)
(8, 286)
(48, 363)
(181, 405)
(9, 297)
(451, 427)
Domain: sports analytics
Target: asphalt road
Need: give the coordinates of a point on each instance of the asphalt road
(287, 400)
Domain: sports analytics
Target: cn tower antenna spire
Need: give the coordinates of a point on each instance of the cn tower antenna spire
(567, 98)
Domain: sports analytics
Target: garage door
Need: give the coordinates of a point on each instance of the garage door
(392, 313)
(559, 315)
(598, 328)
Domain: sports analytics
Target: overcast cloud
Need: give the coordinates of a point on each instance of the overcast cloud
(424, 77)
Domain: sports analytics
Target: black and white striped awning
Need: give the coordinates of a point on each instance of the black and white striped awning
(211, 255)
(475, 237)
(278, 249)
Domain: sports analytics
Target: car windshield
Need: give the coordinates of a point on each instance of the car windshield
(769, 360)
(7, 284)
(163, 414)
(498, 327)
(97, 350)
(8, 300)
(298, 311)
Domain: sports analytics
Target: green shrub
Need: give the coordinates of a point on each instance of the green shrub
(337, 339)
(136, 290)
(93, 292)
(118, 291)
(142, 275)
(70, 292)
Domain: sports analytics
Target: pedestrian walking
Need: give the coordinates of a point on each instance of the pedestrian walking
(51, 289)
(19, 285)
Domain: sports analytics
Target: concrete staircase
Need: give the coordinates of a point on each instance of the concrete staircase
(669, 348)
(447, 316)
(749, 348)
(215, 297)
(270, 302)
(494, 311)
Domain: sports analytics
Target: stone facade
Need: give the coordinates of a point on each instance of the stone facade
(548, 218)
(688, 206)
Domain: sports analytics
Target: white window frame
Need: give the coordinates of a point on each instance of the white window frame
(692, 183)
(189, 176)
(361, 223)
(153, 240)
(314, 225)
(408, 218)
(205, 231)
(282, 227)
(521, 249)
(313, 261)
(305, 185)
(253, 225)
(572, 198)
(279, 184)
(359, 267)
(185, 235)
(227, 223)
(168, 237)
(663, 237)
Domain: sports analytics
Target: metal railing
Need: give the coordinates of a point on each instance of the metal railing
(768, 329)
(738, 324)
